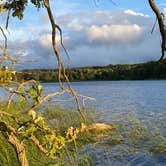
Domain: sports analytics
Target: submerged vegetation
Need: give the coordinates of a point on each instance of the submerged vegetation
(136, 141)
(144, 71)
(131, 135)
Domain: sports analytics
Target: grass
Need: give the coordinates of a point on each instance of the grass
(7, 154)
(58, 119)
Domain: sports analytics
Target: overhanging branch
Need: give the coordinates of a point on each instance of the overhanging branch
(160, 19)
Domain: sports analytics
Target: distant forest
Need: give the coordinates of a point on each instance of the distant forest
(143, 71)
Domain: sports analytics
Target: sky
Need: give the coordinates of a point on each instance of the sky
(94, 33)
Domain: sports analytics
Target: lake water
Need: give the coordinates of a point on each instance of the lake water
(140, 97)
(134, 106)
(115, 96)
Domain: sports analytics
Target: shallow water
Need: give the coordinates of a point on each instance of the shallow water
(138, 108)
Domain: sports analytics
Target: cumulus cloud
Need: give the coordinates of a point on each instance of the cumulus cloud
(114, 33)
(95, 38)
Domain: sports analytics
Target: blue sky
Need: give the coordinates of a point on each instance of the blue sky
(94, 34)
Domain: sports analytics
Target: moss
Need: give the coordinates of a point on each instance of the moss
(160, 148)
(115, 141)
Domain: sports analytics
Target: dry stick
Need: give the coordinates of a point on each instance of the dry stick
(6, 57)
(3, 113)
(2, 55)
(16, 91)
(39, 146)
(37, 143)
(154, 26)
(13, 92)
(160, 19)
(61, 41)
(47, 97)
(7, 19)
(4, 35)
(60, 64)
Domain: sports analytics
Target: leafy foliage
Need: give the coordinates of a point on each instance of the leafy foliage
(6, 75)
(61, 148)
(149, 70)
(18, 7)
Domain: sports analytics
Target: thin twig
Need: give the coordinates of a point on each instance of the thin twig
(154, 26)
(7, 19)
(4, 35)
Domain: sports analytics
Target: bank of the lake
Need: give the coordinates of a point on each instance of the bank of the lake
(143, 71)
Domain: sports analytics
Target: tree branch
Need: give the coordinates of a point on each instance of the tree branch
(9, 133)
(160, 19)
(61, 68)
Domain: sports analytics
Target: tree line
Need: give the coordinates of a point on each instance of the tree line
(143, 71)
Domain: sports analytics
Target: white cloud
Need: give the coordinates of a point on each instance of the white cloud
(95, 38)
(164, 11)
(45, 40)
(131, 12)
(22, 53)
(75, 26)
(114, 33)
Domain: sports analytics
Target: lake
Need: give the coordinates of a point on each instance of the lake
(135, 106)
(138, 108)
(115, 96)
(140, 97)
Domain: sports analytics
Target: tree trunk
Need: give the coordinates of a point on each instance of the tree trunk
(19, 148)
